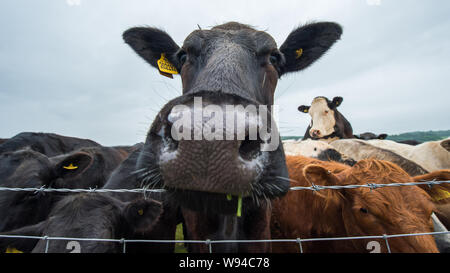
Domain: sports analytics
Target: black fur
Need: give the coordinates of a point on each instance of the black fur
(89, 216)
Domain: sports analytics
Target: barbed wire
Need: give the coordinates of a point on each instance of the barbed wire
(209, 242)
(144, 190)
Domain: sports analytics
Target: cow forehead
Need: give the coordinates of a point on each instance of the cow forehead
(253, 40)
(319, 104)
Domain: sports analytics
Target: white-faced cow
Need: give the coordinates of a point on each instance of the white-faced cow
(327, 123)
(316, 149)
(360, 149)
(432, 155)
(229, 64)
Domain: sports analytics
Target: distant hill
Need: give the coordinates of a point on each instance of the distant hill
(421, 136)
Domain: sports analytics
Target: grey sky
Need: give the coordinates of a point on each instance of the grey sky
(65, 69)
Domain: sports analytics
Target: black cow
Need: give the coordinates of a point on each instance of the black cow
(84, 168)
(45, 143)
(125, 176)
(368, 136)
(326, 121)
(230, 64)
(88, 215)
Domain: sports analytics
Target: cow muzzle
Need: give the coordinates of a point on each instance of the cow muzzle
(216, 144)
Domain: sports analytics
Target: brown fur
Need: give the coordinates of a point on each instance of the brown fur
(437, 192)
(337, 213)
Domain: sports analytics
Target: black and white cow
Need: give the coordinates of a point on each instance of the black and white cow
(326, 121)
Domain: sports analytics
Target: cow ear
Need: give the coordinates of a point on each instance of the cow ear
(307, 44)
(446, 144)
(317, 175)
(72, 165)
(336, 102)
(151, 43)
(382, 136)
(20, 244)
(303, 108)
(141, 215)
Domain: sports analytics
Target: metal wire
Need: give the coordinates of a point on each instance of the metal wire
(142, 190)
(209, 242)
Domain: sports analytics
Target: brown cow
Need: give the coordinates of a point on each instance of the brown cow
(351, 212)
(439, 193)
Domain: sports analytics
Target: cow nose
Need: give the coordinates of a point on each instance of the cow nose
(315, 133)
(218, 148)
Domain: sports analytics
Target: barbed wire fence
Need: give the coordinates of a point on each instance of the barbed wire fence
(209, 242)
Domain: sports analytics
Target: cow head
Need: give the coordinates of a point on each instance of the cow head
(368, 136)
(229, 65)
(89, 216)
(30, 169)
(364, 211)
(446, 144)
(326, 120)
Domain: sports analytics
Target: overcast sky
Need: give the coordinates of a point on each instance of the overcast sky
(64, 67)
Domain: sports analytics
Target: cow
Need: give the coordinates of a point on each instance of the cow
(88, 215)
(446, 144)
(369, 135)
(412, 142)
(359, 149)
(431, 155)
(3, 140)
(440, 194)
(331, 213)
(46, 143)
(231, 64)
(316, 149)
(327, 123)
(125, 176)
(85, 168)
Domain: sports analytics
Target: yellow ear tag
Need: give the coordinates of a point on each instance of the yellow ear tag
(70, 167)
(239, 209)
(13, 250)
(441, 194)
(306, 110)
(141, 212)
(165, 67)
(298, 53)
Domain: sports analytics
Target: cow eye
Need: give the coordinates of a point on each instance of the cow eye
(326, 111)
(182, 57)
(364, 210)
(274, 58)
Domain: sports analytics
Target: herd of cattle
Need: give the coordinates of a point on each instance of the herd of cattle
(226, 189)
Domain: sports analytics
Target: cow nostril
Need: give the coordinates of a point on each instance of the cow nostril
(249, 149)
(170, 140)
